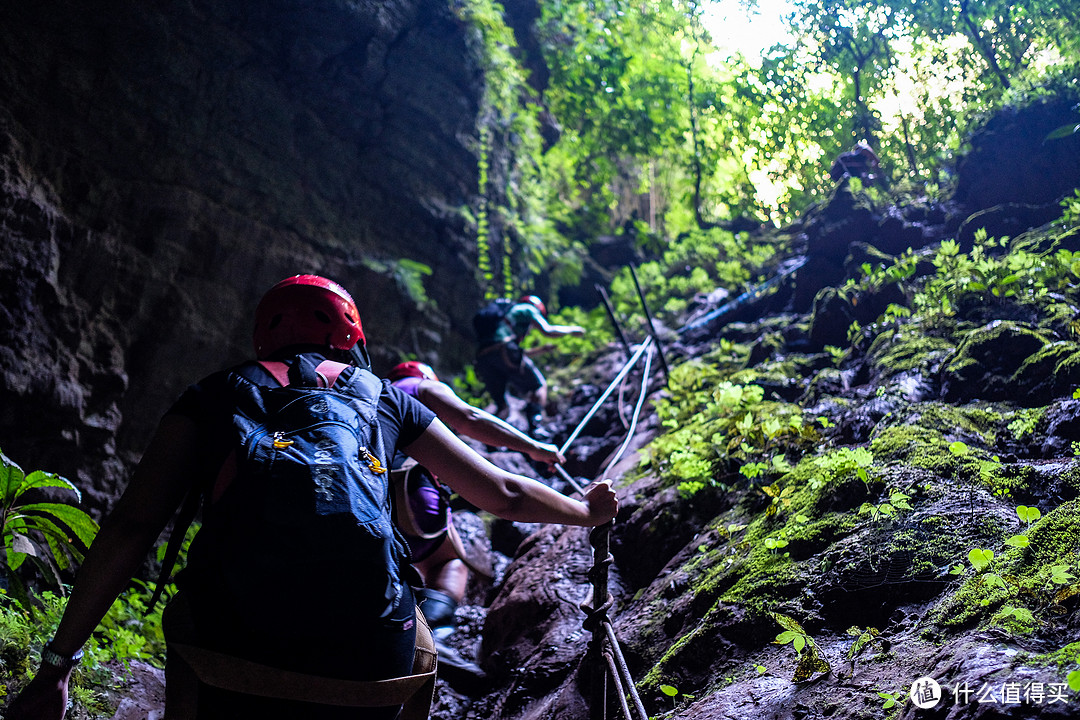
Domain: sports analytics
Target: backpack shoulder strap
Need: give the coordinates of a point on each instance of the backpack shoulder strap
(327, 372)
(279, 370)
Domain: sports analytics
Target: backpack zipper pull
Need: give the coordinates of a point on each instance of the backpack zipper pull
(373, 463)
(280, 441)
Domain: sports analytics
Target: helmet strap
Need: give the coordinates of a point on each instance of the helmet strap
(359, 355)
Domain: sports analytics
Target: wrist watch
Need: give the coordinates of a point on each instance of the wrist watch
(61, 662)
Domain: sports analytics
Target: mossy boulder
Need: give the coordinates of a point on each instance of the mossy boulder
(1051, 372)
(987, 361)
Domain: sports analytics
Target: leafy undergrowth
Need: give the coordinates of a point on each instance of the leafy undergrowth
(913, 507)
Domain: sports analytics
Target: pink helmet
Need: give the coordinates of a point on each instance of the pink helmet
(306, 310)
(412, 368)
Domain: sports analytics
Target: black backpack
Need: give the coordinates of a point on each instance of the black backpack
(302, 535)
(487, 319)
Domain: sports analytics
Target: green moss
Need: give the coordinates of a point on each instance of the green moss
(970, 603)
(1052, 541)
(984, 349)
(1056, 366)
(659, 672)
(915, 445)
(1018, 621)
(1027, 573)
(908, 350)
(1064, 657)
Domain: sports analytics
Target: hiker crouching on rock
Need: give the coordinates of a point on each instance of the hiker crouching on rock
(501, 327)
(294, 597)
(423, 514)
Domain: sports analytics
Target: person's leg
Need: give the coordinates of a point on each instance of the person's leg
(531, 383)
(446, 578)
(445, 572)
(493, 372)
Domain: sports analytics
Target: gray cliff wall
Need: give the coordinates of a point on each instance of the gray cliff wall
(162, 164)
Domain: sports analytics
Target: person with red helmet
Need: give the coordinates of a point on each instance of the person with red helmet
(501, 362)
(438, 554)
(305, 326)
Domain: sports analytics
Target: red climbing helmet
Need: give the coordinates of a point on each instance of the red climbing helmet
(412, 368)
(306, 309)
(535, 302)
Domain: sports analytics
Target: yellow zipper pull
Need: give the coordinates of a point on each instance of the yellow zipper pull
(280, 441)
(373, 462)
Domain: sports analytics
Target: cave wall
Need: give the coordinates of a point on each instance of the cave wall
(162, 164)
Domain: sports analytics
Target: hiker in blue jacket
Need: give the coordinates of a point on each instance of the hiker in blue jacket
(281, 660)
(501, 362)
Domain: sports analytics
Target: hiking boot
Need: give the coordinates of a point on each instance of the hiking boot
(438, 608)
(534, 414)
(464, 676)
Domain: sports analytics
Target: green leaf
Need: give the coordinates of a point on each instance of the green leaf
(41, 479)
(11, 479)
(980, 558)
(1020, 541)
(1073, 679)
(861, 642)
(785, 637)
(811, 663)
(1021, 614)
(958, 448)
(994, 580)
(1028, 514)
(80, 523)
(788, 623)
(1060, 575)
(669, 690)
(1062, 132)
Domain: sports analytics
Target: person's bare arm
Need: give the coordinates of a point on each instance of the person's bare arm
(508, 495)
(157, 488)
(480, 425)
(550, 330)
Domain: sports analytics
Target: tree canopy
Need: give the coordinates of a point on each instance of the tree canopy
(643, 123)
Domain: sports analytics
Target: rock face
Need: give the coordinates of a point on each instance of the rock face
(162, 165)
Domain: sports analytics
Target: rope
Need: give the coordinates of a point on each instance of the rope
(637, 412)
(604, 644)
(614, 383)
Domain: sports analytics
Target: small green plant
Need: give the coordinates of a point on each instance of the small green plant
(1021, 616)
(673, 692)
(1061, 575)
(897, 501)
(1028, 514)
(891, 698)
(863, 640)
(1024, 423)
(1020, 541)
(50, 534)
(774, 544)
(980, 559)
(811, 661)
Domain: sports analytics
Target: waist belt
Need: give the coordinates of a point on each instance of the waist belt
(228, 672)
